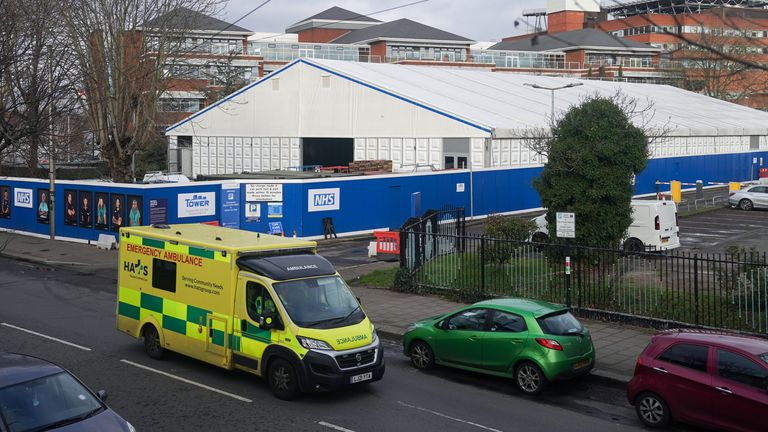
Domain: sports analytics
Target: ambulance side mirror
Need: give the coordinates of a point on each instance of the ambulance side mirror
(270, 322)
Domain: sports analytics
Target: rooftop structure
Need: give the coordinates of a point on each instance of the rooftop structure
(623, 9)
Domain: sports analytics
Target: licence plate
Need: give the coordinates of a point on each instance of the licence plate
(665, 240)
(582, 364)
(360, 378)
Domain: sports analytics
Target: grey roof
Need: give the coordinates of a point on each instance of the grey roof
(189, 20)
(576, 38)
(339, 14)
(400, 29)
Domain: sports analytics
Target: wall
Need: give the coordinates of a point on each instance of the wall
(25, 219)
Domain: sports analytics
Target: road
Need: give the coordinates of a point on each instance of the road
(180, 393)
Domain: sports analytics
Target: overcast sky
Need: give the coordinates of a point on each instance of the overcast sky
(480, 20)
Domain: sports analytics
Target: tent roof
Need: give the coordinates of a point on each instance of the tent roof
(501, 104)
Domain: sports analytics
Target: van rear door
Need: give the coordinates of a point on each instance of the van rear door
(667, 224)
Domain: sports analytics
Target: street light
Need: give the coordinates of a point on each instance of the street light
(553, 89)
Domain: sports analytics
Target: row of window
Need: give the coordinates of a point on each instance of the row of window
(198, 45)
(730, 365)
(215, 73)
(426, 53)
(611, 60)
(691, 30)
(178, 105)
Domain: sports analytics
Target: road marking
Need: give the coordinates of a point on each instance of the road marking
(46, 336)
(184, 380)
(448, 417)
(334, 427)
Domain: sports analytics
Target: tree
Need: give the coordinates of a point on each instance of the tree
(36, 80)
(730, 77)
(593, 152)
(122, 48)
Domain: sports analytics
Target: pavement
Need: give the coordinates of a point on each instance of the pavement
(617, 345)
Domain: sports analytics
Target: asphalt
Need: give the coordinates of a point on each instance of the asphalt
(78, 307)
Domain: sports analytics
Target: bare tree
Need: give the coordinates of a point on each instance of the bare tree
(122, 47)
(641, 113)
(730, 77)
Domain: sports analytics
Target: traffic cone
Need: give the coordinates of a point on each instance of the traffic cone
(282, 233)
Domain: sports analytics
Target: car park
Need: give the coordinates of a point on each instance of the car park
(532, 342)
(752, 197)
(707, 378)
(654, 227)
(37, 395)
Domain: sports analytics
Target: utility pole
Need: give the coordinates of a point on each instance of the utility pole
(51, 156)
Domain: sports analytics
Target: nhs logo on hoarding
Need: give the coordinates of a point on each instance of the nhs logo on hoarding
(22, 198)
(197, 204)
(323, 199)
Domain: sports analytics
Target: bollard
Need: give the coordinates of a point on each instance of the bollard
(676, 190)
(699, 189)
(734, 186)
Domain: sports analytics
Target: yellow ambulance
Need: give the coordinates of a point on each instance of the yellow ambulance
(241, 300)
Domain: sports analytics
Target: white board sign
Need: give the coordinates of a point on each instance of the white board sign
(566, 225)
(263, 192)
(22, 197)
(323, 199)
(459, 187)
(253, 211)
(197, 204)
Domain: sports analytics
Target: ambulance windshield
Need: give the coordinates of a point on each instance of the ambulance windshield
(323, 302)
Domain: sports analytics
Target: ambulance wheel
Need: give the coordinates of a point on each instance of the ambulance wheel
(152, 343)
(283, 380)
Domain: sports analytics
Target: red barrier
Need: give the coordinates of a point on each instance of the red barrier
(387, 242)
(213, 223)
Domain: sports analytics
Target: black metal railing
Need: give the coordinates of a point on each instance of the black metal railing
(728, 291)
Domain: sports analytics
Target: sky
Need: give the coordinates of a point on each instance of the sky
(479, 20)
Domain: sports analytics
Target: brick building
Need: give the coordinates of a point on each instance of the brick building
(210, 59)
(699, 36)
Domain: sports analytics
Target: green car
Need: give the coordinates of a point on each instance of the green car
(532, 342)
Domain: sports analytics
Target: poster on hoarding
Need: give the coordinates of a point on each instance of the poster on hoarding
(263, 192)
(196, 204)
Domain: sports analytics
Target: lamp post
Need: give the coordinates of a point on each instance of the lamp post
(553, 90)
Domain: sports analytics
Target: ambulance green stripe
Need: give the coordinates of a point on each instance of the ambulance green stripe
(202, 253)
(218, 338)
(153, 243)
(174, 324)
(128, 310)
(150, 302)
(196, 315)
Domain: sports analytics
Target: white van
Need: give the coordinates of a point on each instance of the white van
(654, 227)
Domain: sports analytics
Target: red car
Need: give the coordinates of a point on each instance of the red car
(713, 379)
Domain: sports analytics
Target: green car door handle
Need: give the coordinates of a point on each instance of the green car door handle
(515, 341)
(474, 337)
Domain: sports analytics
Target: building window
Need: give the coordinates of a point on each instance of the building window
(178, 105)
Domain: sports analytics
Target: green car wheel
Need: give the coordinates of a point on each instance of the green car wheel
(530, 379)
(422, 356)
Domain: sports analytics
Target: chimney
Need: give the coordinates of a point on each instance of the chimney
(569, 15)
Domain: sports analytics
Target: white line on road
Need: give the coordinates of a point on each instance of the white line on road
(46, 336)
(448, 417)
(178, 378)
(334, 427)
